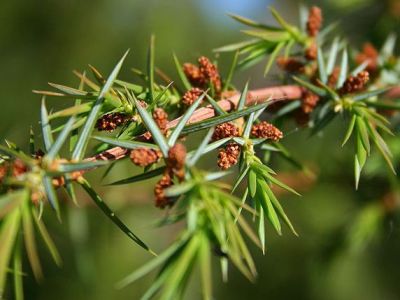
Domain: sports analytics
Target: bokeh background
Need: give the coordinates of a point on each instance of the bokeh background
(45, 40)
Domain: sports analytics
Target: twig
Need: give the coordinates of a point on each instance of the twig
(279, 93)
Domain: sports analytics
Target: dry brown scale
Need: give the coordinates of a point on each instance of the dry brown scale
(370, 54)
(161, 119)
(111, 121)
(225, 130)
(228, 156)
(144, 157)
(355, 83)
(210, 72)
(333, 78)
(309, 101)
(206, 72)
(176, 157)
(175, 164)
(290, 64)
(314, 22)
(165, 182)
(194, 75)
(311, 52)
(191, 96)
(266, 130)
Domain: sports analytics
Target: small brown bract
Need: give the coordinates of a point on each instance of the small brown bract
(144, 157)
(225, 130)
(267, 131)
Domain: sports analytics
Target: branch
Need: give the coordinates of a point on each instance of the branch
(284, 93)
(278, 93)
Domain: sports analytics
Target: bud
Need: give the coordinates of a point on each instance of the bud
(311, 52)
(191, 96)
(225, 130)
(370, 54)
(229, 156)
(266, 130)
(309, 101)
(176, 157)
(161, 118)
(314, 21)
(290, 64)
(144, 157)
(194, 75)
(210, 72)
(333, 78)
(165, 182)
(355, 84)
(111, 121)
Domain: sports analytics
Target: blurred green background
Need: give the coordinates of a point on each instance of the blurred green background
(43, 41)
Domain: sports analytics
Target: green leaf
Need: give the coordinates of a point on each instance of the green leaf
(343, 69)
(30, 243)
(349, 130)
(31, 142)
(363, 134)
(199, 152)
(370, 94)
(74, 110)
(153, 128)
(267, 206)
(140, 177)
(280, 210)
(205, 267)
(215, 105)
(17, 270)
(310, 86)
(56, 146)
(154, 263)
(183, 120)
(46, 129)
(25, 158)
(69, 90)
(150, 68)
(291, 29)
(74, 134)
(272, 57)
(51, 195)
(179, 189)
(47, 239)
(231, 72)
(111, 215)
(216, 175)
(252, 183)
(83, 140)
(321, 123)
(182, 75)
(223, 119)
(243, 97)
(81, 166)
(281, 184)
(237, 46)
(8, 236)
(124, 143)
(332, 56)
(251, 23)
(249, 124)
(215, 145)
(357, 171)
(269, 35)
(321, 66)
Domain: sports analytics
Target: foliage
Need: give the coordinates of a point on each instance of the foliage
(148, 123)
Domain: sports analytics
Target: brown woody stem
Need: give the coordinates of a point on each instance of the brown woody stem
(282, 93)
(288, 92)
